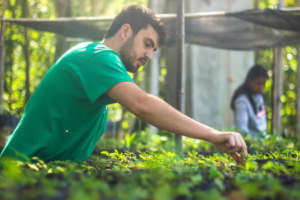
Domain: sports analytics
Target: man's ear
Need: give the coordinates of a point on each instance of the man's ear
(126, 31)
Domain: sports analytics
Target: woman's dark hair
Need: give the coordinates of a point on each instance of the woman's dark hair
(255, 72)
(139, 18)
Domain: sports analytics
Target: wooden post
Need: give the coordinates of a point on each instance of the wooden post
(256, 4)
(298, 93)
(2, 32)
(229, 73)
(277, 86)
(180, 32)
(277, 90)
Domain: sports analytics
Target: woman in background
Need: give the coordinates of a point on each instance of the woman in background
(247, 103)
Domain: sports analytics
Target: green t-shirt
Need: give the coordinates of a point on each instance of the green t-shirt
(67, 113)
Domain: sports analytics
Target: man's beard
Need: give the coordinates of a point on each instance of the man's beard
(126, 58)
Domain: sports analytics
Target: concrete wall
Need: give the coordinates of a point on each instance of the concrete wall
(215, 72)
(211, 74)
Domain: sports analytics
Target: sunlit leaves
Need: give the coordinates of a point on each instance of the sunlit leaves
(273, 4)
(264, 4)
(290, 3)
(102, 8)
(42, 47)
(122, 174)
(290, 65)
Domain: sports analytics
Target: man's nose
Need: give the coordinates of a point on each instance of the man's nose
(149, 54)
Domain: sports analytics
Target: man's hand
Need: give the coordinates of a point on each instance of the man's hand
(239, 159)
(232, 143)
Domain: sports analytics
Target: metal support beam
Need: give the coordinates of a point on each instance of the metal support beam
(155, 64)
(180, 32)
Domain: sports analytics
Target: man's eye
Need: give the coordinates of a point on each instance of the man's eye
(147, 44)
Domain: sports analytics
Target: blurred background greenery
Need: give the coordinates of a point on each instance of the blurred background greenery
(29, 54)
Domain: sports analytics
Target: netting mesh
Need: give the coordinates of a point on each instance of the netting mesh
(246, 30)
(272, 18)
(87, 30)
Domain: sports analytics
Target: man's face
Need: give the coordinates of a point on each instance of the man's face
(139, 48)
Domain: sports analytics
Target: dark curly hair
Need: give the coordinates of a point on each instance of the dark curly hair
(139, 18)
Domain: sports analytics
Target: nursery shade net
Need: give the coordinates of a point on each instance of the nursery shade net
(246, 30)
(86, 30)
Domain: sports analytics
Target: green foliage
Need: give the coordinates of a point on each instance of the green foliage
(42, 48)
(143, 165)
(290, 63)
(160, 174)
(288, 99)
(42, 52)
(102, 8)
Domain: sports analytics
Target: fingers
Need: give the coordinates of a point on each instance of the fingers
(240, 145)
(244, 148)
(236, 143)
(232, 142)
(238, 158)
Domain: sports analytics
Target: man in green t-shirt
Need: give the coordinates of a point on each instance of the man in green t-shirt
(67, 113)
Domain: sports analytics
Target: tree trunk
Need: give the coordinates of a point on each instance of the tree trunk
(298, 90)
(256, 4)
(25, 14)
(2, 32)
(62, 9)
(9, 61)
(93, 7)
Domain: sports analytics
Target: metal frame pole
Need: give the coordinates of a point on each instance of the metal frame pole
(155, 65)
(180, 32)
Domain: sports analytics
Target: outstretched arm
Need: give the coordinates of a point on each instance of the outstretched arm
(159, 113)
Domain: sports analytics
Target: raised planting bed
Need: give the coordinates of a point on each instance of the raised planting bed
(162, 175)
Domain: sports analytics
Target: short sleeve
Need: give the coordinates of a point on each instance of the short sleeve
(100, 72)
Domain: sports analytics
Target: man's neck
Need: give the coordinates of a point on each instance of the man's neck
(112, 44)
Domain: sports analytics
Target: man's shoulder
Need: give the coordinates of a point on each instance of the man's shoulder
(99, 50)
(89, 52)
(92, 47)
